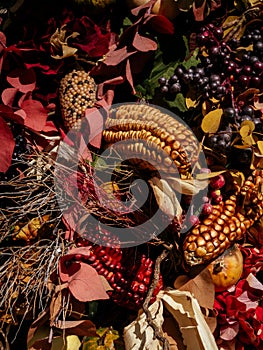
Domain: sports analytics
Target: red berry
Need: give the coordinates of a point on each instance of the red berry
(207, 208)
(218, 199)
(215, 194)
(217, 182)
(194, 220)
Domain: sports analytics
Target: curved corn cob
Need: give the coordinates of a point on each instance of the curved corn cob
(226, 224)
(77, 92)
(156, 139)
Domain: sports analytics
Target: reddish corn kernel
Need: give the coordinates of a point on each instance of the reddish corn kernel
(101, 253)
(146, 281)
(140, 276)
(92, 258)
(148, 272)
(142, 288)
(78, 257)
(135, 286)
(118, 266)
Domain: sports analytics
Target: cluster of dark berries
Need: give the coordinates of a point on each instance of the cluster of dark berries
(220, 66)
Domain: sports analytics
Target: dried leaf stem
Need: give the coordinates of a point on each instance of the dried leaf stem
(145, 306)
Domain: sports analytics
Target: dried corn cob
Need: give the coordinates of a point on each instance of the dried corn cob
(226, 224)
(77, 93)
(153, 135)
(128, 272)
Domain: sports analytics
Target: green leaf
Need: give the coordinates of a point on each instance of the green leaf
(178, 102)
(193, 60)
(150, 85)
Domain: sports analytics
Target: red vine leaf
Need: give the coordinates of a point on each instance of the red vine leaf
(36, 114)
(8, 96)
(199, 11)
(7, 146)
(22, 79)
(8, 113)
(144, 44)
(85, 284)
(80, 328)
(159, 24)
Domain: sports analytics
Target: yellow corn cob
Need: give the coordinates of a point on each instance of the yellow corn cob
(156, 139)
(226, 224)
(77, 92)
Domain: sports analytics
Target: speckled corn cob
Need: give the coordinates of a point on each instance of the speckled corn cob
(77, 93)
(226, 224)
(153, 136)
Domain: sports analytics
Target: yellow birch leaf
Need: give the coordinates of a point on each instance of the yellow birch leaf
(211, 121)
(249, 123)
(248, 140)
(73, 342)
(260, 146)
(238, 176)
(190, 103)
(244, 131)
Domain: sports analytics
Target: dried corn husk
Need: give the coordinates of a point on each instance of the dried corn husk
(185, 310)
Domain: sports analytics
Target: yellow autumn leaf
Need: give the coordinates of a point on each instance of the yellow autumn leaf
(238, 176)
(211, 121)
(73, 342)
(229, 23)
(260, 146)
(248, 140)
(244, 131)
(249, 123)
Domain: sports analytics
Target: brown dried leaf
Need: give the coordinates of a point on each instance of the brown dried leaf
(196, 286)
(166, 198)
(211, 121)
(80, 328)
(188, 187)
(258, 105)
(59, 41)
(205, 176)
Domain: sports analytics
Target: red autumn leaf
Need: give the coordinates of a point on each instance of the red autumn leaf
(36, 115)
(159, 24)
(229, 332)
(139, 10)
(94, 122)
(20, 113)
(117, 56)
(144, 44)
(50, 127)
(42, 344)
(64, 272)
(8, 113)
(22, 79)
(86, 285)
(245, 299)
(2, 41)
(129, 76)
(199, 11)
(8, 96)
(7, 146)
(23, 98)
(80, 328)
